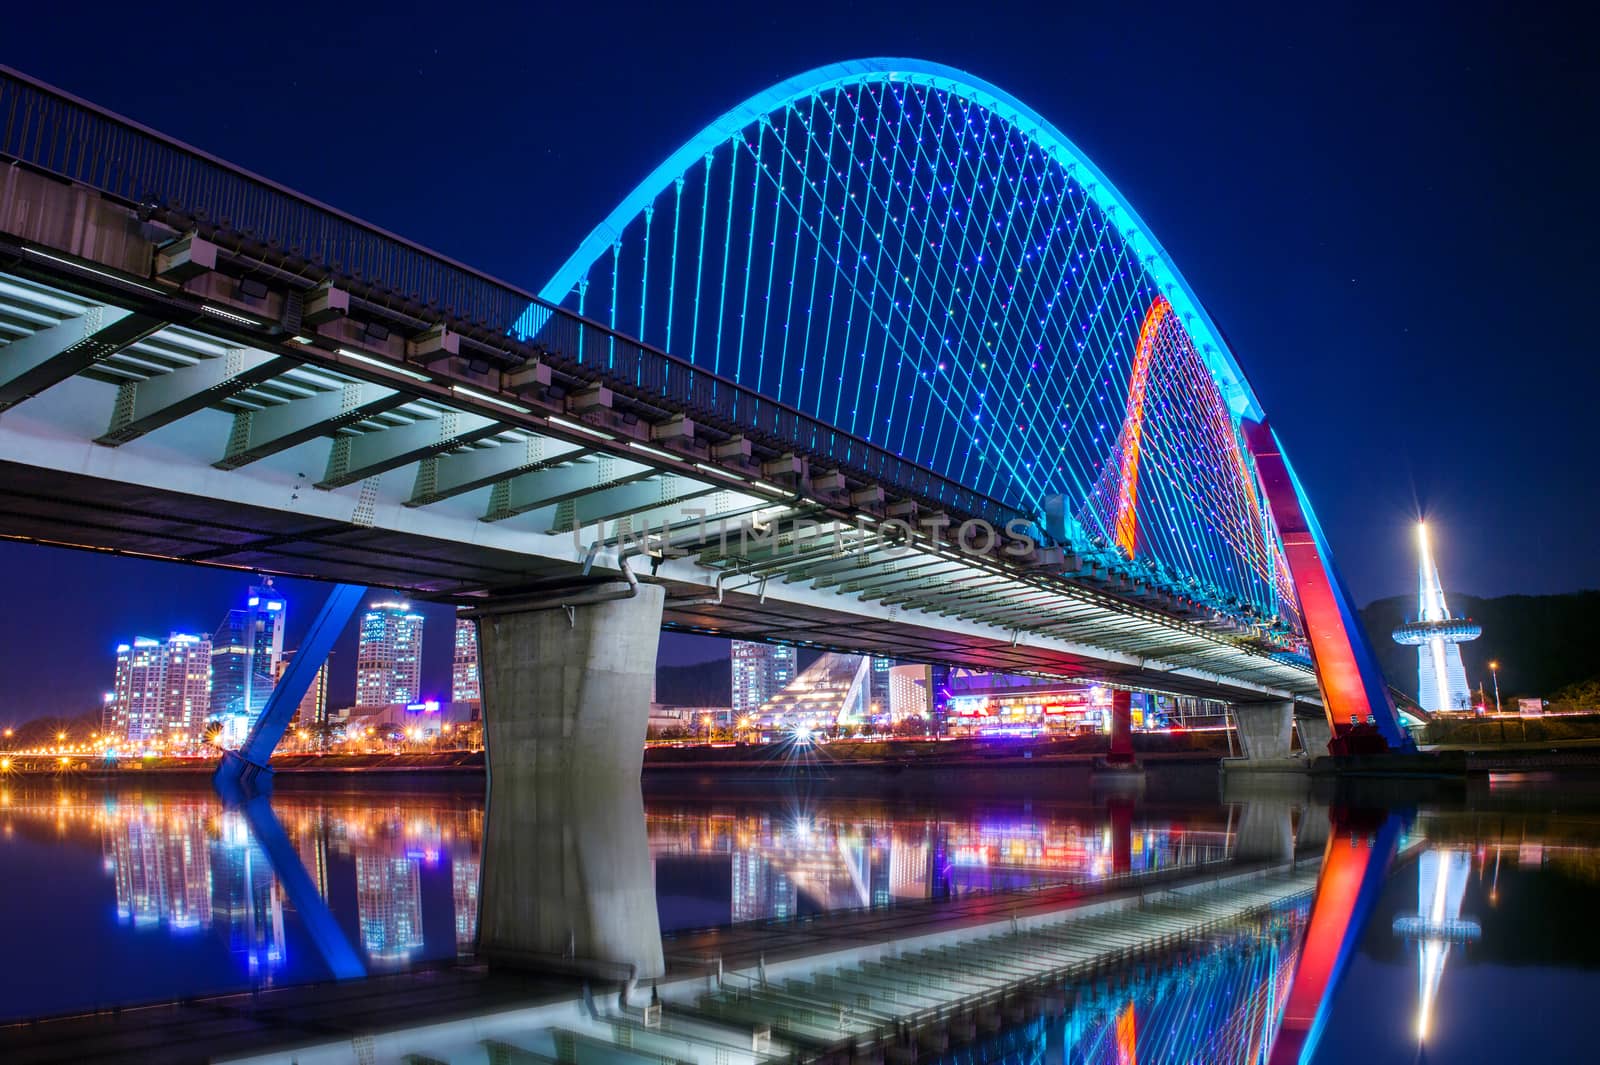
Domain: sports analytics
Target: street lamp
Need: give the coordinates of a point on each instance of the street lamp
(1494, 671)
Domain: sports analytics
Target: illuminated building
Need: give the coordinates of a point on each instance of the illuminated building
(909, 688)
(832, 690)
(464, 680)
(134, 712)
(1029, 712)
(186, 683)
(1441, 678)
(389, 656)
(162, 689)
(246, 660)
(760, 671)
(878, 696)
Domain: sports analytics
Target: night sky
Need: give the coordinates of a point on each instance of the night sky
(1389, 213)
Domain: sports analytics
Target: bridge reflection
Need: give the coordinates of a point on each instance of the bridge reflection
(815, 857)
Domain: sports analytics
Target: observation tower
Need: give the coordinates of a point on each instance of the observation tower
(1441, 678)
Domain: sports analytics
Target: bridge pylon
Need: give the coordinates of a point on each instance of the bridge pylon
(1361, 715)
(566, 702)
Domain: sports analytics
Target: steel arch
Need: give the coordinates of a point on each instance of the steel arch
(1185, 303)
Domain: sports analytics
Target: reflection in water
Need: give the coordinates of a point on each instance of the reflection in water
(195, 903)
(194, 895)
(1442, 875)
(176, 869)
(1218, 1002)
(175, 895)
(824, 857)
(389, 899)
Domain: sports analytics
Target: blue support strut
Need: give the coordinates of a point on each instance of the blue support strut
(246, 768)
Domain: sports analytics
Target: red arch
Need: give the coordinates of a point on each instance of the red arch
(1126, 528)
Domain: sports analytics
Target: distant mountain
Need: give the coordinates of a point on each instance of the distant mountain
(707, 683)
(698, 684)
(1543, 642)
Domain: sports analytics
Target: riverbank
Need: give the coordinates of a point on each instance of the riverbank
(733, 758)
(1538, 744)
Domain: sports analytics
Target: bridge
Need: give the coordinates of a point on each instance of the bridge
(877, 362)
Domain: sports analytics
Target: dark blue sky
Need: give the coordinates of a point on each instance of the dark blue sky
(1390, 213)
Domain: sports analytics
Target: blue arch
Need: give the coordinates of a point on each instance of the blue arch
(1133, 230)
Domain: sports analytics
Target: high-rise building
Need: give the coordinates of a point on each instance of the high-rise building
(162, 689)
(909, 690)
(186, 684)
(247, 658)
(134, 711)
(389, 656)
(760, 671)
(878, 697)
(1441, 678)
(464, 681)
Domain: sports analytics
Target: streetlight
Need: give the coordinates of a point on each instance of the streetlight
(1494, 671)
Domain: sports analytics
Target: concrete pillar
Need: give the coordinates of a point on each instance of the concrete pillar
(1264, 730)
(1121, 728)
(566, 865)
(1315, 734)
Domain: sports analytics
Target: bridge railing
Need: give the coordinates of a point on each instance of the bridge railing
(46, 129)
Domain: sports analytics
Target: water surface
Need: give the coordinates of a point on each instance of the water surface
(1479, 945)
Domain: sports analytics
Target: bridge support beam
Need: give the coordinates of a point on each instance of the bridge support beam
(244, 772)
(566, 700)
(1315, 735)
(1266, 735)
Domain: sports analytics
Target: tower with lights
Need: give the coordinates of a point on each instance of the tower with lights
(1441, 678)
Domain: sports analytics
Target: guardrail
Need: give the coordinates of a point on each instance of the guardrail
(52, 131)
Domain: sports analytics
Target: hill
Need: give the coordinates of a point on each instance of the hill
(1543, 642)
(698, 684)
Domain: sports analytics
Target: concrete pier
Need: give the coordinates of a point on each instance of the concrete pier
(1266, 736)
(566, 864)
(1315, 734)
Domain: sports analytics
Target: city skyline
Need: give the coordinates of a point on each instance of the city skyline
(183, 682)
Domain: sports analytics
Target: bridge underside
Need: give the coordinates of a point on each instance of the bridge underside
(59, 508)
(169, 397)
